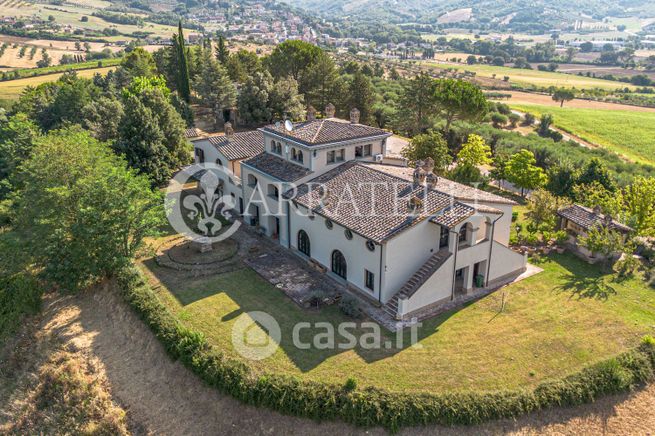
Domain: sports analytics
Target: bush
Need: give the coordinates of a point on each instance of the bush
(371, 406)
(626, 266)
(20, 295)
(528, 119)
(350, 307)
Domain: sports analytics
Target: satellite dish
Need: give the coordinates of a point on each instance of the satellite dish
(288, 125)
(277, 124)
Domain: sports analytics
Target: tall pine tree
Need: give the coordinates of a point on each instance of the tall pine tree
(183, 83)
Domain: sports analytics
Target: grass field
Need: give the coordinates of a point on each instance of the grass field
(534, 77)
(554, 323)
(11, 89)
(628, 133)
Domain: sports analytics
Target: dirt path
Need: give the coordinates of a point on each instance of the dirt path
(546, 100)
(162, 397)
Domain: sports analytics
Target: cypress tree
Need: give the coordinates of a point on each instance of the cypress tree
(221, 51)
(183, 85)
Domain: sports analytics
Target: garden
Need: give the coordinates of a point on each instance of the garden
(548, 326)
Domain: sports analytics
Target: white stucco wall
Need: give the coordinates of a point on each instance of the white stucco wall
(406, 253)
(437, 288)
(324, 241)
(505, 261)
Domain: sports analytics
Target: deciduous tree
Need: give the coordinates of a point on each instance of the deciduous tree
(94, 216)
(523, 173)
(429, 145)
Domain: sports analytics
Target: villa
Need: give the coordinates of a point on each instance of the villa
(327, 190)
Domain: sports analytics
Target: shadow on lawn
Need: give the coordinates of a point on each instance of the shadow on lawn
(584, 280)
(250, 293)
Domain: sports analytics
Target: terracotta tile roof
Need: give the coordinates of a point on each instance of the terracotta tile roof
(277, 167)
(241, 145)
(325, 131)
(453, 215)
(588, 218)
(458, 190)
(372, 203)
(194, 132)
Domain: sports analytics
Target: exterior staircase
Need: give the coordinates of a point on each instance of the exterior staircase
(416, 281)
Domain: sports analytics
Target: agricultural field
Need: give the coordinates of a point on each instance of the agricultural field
(629, 133)
(554, 323)
(71, 15)
(532, 77)
(11, 89)
(520, 98)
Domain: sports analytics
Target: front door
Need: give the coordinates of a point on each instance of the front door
(443, 239)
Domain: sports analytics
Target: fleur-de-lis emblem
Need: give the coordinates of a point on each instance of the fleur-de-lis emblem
(205, 206)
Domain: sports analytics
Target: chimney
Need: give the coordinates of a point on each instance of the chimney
(354, 115)
(229, 131)
(431, 180)
(311, 113)
(330, 110)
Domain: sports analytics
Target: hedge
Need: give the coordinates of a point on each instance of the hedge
(372, 406)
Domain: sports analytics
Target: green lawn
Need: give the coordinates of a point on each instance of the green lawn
(628, 133)
(533, 77)
(554, 323)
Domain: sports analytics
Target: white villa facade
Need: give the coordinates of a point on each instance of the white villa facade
(401, 236)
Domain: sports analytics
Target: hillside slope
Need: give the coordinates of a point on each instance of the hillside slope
(427, 11)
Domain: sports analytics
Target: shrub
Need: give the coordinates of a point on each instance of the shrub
(372, 406)
(626, 266)
(515, 216)
(350, 307)
(317, 298)
(528, 119)
(351, 384)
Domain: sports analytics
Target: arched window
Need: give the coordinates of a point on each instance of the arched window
(279, 148)
(252, 180)
(299, 156)
(273, 147)
(294, 154)
(339, 266)
(303, 243)
(219, 162)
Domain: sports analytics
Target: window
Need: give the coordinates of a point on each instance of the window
(359, 151)
(443, 239)
(299, 156)
(273, 147)
(462, 233)
(339, 266)
(219, 162)
(252, 181)
(336, 156)
(348, 234)
(294, 154)
(200, 155)
(369, 280)
(273, 192)
(367, 150)
(328, 224)
(370, 245)
(303, 243)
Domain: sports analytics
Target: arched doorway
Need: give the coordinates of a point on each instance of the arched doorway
(303, 243)
(339, 266)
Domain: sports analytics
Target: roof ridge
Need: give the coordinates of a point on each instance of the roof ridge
(320, 127)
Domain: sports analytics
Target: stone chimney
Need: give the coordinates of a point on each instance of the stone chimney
(354, 115)
(229, 131)
(330, 110)
(419, 173)
(431, 180)
(311, 113)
